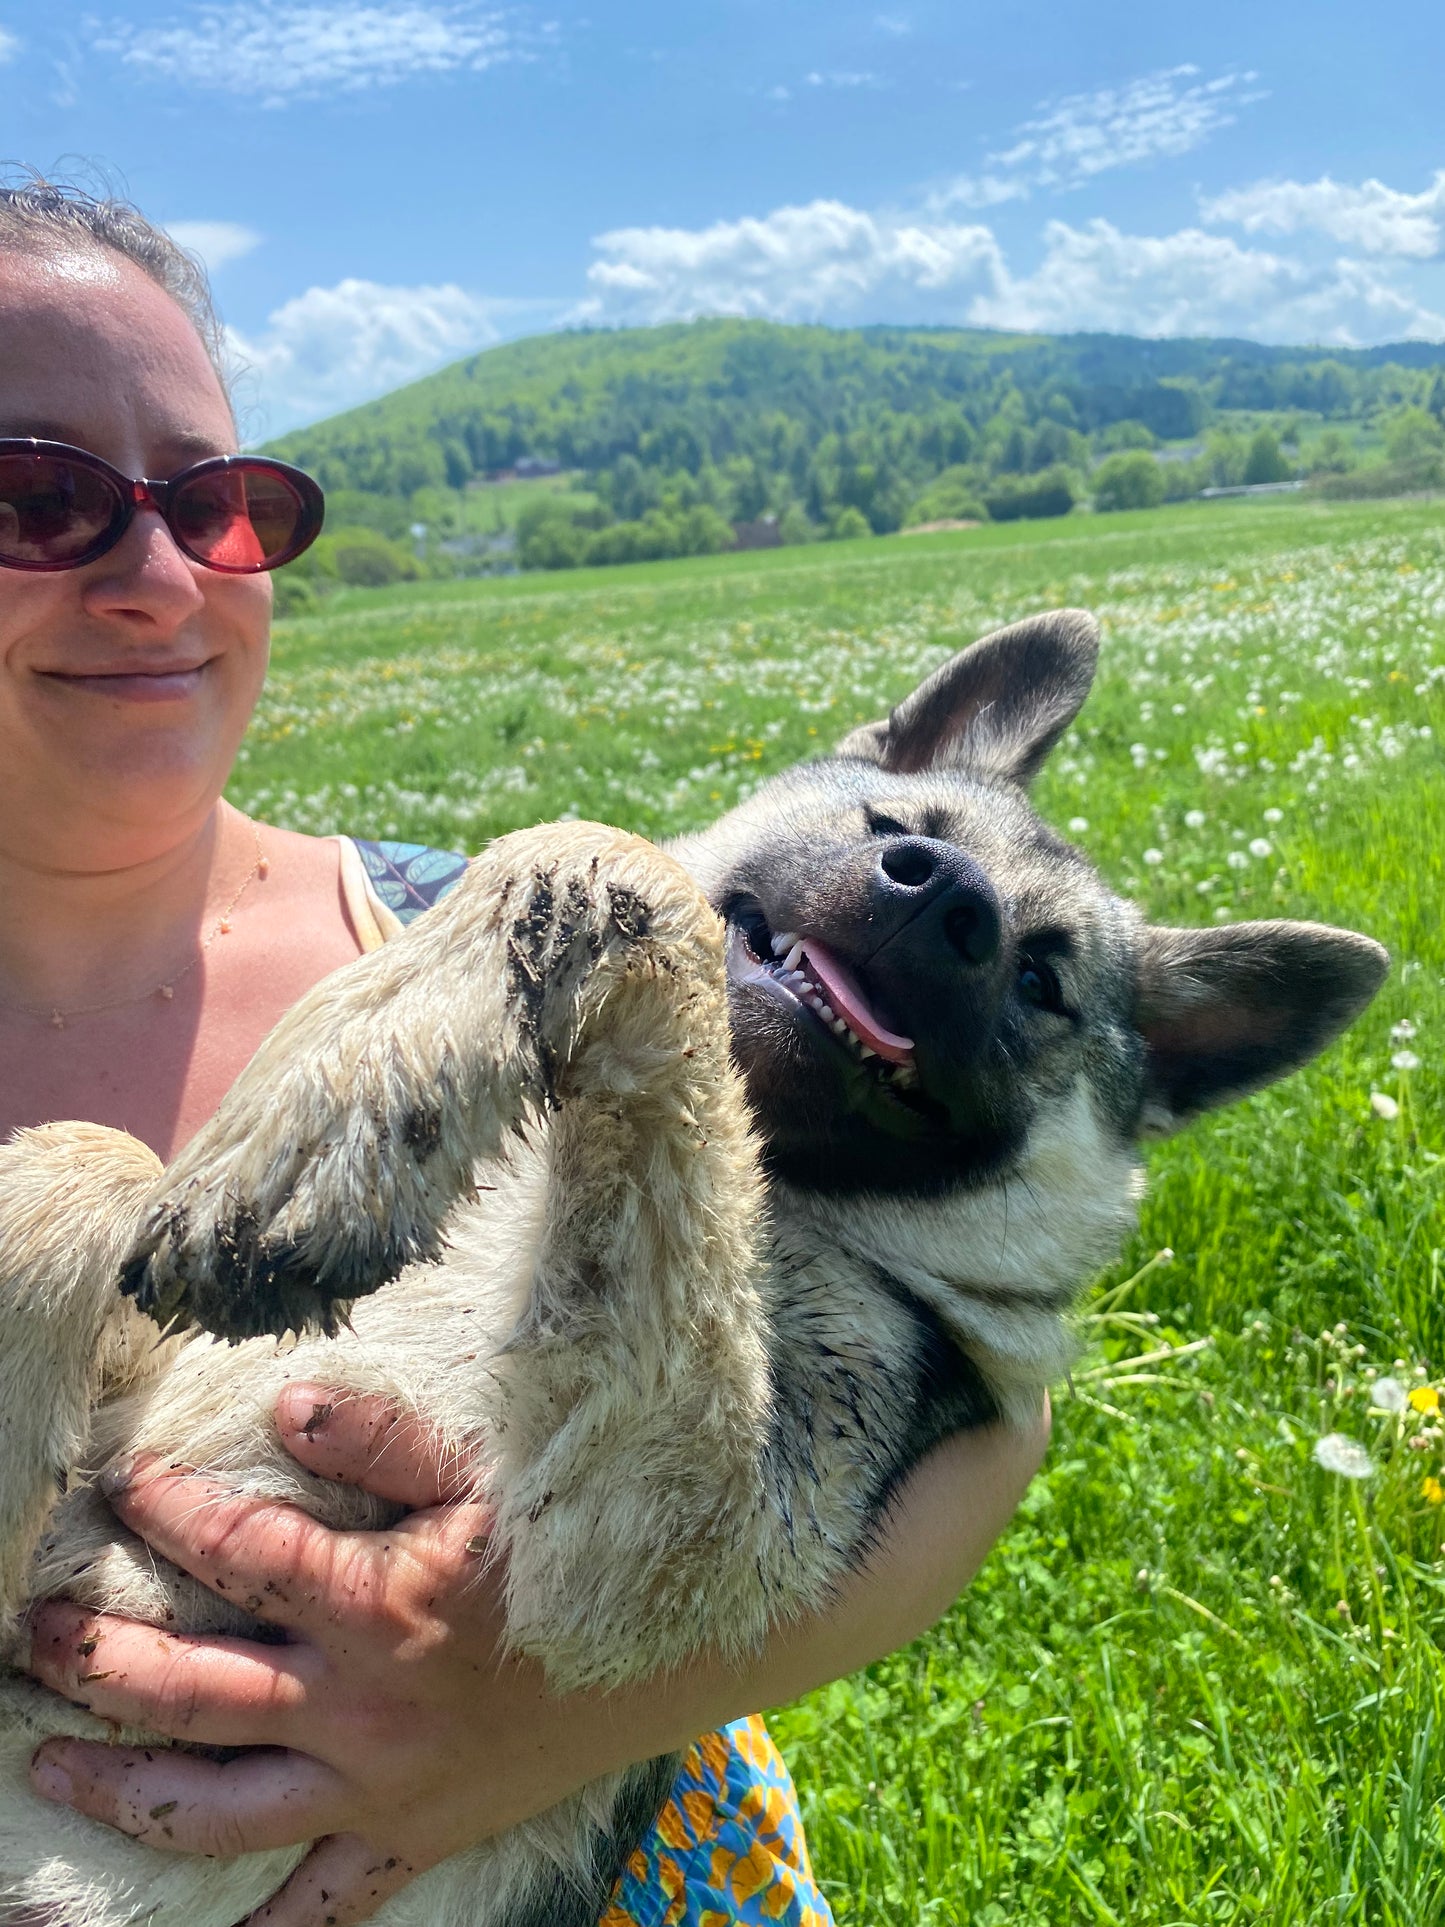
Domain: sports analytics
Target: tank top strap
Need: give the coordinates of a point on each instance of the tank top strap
(386, 885)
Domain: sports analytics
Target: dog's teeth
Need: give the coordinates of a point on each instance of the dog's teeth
(840, 1028)
(795, 952)
(866, 1051)
(814, 1003)
(826, 1012)
(783, 943)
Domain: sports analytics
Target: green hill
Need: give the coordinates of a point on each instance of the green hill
(834, 431)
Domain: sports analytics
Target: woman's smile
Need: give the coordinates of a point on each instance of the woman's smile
(160, 682)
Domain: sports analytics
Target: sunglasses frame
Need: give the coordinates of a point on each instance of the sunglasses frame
(137, 492)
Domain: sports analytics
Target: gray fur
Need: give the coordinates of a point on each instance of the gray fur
(701, 1278)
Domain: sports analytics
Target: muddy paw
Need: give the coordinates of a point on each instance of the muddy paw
(238, 1280)
(243, 1251)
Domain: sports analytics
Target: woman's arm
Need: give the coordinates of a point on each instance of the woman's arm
(394, 1736)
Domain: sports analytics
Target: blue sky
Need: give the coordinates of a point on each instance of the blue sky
(378, 189)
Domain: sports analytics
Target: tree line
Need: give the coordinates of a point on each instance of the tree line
(670, 437)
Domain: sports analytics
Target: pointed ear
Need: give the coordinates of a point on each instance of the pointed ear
(995, 710)
(1225, 1011)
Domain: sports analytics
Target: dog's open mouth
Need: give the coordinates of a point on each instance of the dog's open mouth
(821, 983)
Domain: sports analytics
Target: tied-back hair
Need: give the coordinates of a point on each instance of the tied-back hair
(39, 216)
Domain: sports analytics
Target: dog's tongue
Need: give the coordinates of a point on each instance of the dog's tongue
(845, 994)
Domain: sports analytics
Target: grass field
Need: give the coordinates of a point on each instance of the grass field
(1203, 1677)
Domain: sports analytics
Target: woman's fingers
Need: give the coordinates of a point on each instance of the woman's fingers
(366, 1441)
(268, 1558)
(214, 1692)
(341, 1881)
(185, 1804)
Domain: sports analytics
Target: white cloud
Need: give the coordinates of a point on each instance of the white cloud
(1379, 219)
(1073, 139)
(896, 24)
(283, 50)
(215, 242)
(835, 79)
(9, 45)
(978, 190)
(828, 80)
(795, 263)
(831, 262)
(1193, 283)
(330, 348)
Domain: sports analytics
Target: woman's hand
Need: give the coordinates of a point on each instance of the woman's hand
(394, 1733)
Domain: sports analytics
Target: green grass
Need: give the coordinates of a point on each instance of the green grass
(1203, 1678)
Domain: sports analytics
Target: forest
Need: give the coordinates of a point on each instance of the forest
(626, 445)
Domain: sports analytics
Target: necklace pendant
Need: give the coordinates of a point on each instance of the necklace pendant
(166, 990)
(57, 1020)
(224, 927)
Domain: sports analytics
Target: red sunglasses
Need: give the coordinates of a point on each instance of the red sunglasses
(61, 507)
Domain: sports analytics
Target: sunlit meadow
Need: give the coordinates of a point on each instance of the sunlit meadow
(1203, 1678)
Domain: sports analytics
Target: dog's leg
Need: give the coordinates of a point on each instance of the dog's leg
(344, 1145)
(632, 1402)
(71, 1199)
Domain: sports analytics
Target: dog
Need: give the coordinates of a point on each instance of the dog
(697, 1192)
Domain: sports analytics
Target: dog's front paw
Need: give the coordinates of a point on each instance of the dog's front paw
(237, 1274)
(310, 1188)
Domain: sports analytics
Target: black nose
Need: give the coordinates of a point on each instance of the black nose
(920, 877)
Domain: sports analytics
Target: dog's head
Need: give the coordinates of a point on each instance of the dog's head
(922, 973)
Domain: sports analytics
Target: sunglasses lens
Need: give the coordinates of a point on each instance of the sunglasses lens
(243, 517)
(53, 511)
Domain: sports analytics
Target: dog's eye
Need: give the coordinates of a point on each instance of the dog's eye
(1038, 984)
(886, 826)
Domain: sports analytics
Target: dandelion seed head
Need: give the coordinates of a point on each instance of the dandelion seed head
(1388, 1395)
(1405, 1060)
(1383, 1105)
(1338, 1453)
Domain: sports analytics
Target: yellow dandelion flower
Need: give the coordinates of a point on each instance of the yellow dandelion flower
(1433, 1491)
(1426, 1399)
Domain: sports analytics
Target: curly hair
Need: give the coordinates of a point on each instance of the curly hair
(38, 216)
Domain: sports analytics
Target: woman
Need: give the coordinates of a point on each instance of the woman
(152, 937)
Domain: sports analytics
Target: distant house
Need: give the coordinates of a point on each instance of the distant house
(1250, 488)
(527, 468)
(501, 542)
(762, 534)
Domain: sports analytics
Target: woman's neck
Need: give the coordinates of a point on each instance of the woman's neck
(76, 936)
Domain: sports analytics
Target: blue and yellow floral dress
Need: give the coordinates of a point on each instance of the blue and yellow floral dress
(728, 1846)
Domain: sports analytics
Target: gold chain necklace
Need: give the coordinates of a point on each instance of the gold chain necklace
(57, 1018)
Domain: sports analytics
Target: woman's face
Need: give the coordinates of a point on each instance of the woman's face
(126, 685)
